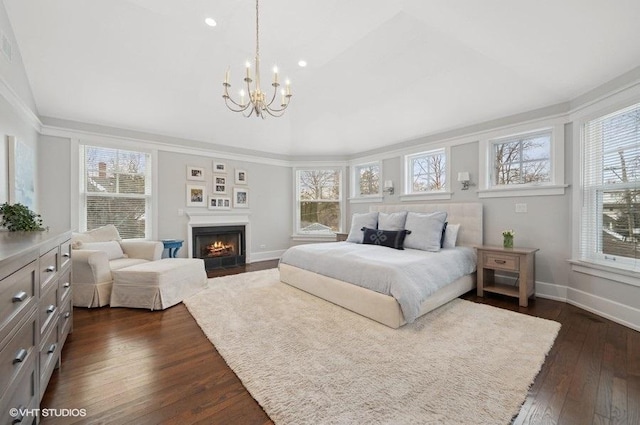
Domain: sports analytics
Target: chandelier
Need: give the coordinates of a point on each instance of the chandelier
(257, 103)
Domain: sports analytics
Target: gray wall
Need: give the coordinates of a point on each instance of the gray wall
(270, 200)
(546, 225)
(55, 170)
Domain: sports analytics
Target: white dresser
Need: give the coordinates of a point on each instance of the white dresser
(36, 316)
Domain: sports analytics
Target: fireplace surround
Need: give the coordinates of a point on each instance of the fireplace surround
(206, 219)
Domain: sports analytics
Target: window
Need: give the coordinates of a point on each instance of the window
(522, 159)
(426, 172)
(366, 180)
(115, 188)
(319, 201)
(610, 225)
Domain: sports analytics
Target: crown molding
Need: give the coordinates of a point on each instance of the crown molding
(19, 105)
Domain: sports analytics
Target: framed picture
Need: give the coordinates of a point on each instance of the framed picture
(219, 203)
(21, 173)
(195, 173)
(241, 176)
(219, 167)
(240, 197)
(196, 195)
(219, 184)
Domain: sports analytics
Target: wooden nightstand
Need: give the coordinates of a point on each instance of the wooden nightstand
(341, 237)
(520, 261)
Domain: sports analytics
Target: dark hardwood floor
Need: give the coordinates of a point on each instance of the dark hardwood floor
(129, 366)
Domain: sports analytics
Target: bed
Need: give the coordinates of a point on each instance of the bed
(379, 306)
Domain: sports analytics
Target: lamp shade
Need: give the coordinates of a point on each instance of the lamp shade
(463, 176)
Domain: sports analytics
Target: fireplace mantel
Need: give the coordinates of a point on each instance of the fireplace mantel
(230, 218)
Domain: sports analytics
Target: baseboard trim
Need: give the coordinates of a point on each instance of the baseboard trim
(620, 313)
(267, 255)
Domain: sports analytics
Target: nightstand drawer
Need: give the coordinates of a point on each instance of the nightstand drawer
(501, 261)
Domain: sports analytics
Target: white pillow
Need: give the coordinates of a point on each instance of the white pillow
(105, 233)
(394, 221)
(358, 221)
(426, 230)
(112, 248)
(451, 235)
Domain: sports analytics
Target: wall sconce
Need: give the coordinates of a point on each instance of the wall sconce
(388, 187)
(463, 177)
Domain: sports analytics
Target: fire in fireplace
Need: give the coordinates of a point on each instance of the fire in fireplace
(219, 246)
(220, 249)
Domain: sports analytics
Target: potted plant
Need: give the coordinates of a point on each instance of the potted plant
(507, 238)
(18, 217)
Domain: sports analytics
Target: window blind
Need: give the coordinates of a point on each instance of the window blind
(610, 217)
(116, 189)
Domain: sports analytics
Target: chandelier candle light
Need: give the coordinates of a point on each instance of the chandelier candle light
(257, 98)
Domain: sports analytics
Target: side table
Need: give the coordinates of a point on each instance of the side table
(520, 261)
(173, 246)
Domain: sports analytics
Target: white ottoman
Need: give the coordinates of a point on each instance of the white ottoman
(157, 285)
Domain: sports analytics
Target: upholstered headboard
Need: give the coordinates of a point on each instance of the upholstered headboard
(468, 215)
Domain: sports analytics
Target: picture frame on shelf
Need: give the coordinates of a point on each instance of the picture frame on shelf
(195, 173)
(219, 203)
(219, 167)
(219, 184)
(241, 176)
(240, 197)
(196, 195)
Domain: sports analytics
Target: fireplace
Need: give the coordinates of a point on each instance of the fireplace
(219, 246)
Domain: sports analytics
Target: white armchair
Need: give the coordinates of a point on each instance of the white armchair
(98, 252)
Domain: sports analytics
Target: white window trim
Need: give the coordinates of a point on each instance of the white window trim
(79, 200)
(356, 197)
(296, 236)
(408, 196)
(617, 272)
(556, 185)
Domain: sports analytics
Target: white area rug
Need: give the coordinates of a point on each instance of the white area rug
(307, 361)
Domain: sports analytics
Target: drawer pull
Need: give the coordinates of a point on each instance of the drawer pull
(500, 261)
(66, 255)
(51, 309)
(66, 285)
(20, 356)
(67, 315)
(19, 416)
(19, 297)
(50, 269)
(52, 348)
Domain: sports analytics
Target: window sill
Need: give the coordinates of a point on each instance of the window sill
(366, 199)
(518, 190)
(313, 238)
(426, 196)
(615, 274)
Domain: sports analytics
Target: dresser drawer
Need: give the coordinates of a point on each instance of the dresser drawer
(49, 352)
(64, 285)
(22, 396)
(18, 293)
(501, 261)
(48, 309)
(48, 267)
(18, 353)
(65, 254)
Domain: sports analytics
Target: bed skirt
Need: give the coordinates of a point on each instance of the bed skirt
(374, 305)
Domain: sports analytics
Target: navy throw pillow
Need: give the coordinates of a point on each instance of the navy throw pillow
(389, 238)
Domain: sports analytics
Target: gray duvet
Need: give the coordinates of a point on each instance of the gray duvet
(410, 276)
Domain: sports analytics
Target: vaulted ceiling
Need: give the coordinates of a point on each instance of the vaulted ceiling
(379, 72)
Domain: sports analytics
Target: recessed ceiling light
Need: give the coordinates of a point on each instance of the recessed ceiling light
(302, 63)
(211, 22)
